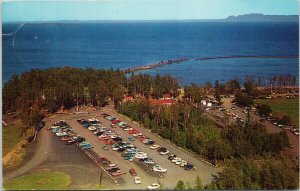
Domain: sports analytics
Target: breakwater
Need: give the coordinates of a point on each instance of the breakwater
(247, 56)
(152, 66)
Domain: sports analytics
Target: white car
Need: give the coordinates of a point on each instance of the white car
(61, 134)
(148, 161)
(164, 152)
(134, 135)
(137, 180)
(92, 128)
(178, 162)
(175, 159)
(153, 186)
(115, 148)
(141, 156)
(155, 146)
(183, 163)
(158, 168)
(113, 136)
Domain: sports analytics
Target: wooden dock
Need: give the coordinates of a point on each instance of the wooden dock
(152, 66)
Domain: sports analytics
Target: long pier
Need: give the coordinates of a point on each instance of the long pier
(246, 56)
(162, 63)
(152, 66)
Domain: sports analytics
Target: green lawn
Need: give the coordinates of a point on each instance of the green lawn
(11, 136)
(284, 106)
(39, 181)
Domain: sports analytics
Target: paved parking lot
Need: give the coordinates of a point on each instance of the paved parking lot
(126, 181)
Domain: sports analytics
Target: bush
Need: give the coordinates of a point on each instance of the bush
(264, 110)
(243, 99)
(286, 120)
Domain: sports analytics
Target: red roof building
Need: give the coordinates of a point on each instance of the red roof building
(166, 102)
(167, 96)
(128, 98)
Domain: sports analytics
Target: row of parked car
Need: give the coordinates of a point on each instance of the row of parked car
(262, 119)
(65, 132)
(106, 135)
(129, 151)
(147, 141)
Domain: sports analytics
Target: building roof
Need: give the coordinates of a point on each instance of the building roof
(162, 101)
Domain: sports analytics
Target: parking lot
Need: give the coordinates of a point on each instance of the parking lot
(148, 176)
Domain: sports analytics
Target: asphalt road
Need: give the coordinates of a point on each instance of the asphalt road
(126, 181)
(43, 147)
(293, 139)
(50, 154)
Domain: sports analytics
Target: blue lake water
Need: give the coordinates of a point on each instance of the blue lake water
(129, 44)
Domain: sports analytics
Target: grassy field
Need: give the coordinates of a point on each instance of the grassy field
(284, 106)
(11, 136)
(39, 181)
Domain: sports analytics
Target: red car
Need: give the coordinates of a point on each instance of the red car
(132, 172)
(133, 131)
(115, 121)
(110, 142)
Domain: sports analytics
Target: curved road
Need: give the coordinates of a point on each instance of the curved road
(43, 149)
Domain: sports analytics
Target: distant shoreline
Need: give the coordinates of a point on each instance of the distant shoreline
(247, 18)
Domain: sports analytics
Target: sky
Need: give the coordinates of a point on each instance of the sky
(141, 9)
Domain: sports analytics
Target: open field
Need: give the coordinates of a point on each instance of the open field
(284, 106)
(39, 181)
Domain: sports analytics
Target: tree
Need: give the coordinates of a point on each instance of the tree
(118, 96)
(249, 86)
(231, 86)
(286, 120)
(180, 185)
(217, 91)
(198, 184)
(264, 110)
(243, 99)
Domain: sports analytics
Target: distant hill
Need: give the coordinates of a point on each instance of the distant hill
(255, 17)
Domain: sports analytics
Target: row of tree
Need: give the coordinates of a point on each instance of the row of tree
(147, 86)
(63, 88)
(251, 174)
(186, 126)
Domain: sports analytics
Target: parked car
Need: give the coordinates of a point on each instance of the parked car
(105, 147)
(154, 146)
(61, 134)
(132, 172)
(104, 161)
(137, 180)
(131, 139)
(171, 157)
(158, 168)
(148, 161)
(92, 128)
(79, 139)
(87, 146)
(262, 120)
(153, 186)
(188, 167)
(183, 163)
(291, 146)
(71, 142)
(141, 155)
(164, 152)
